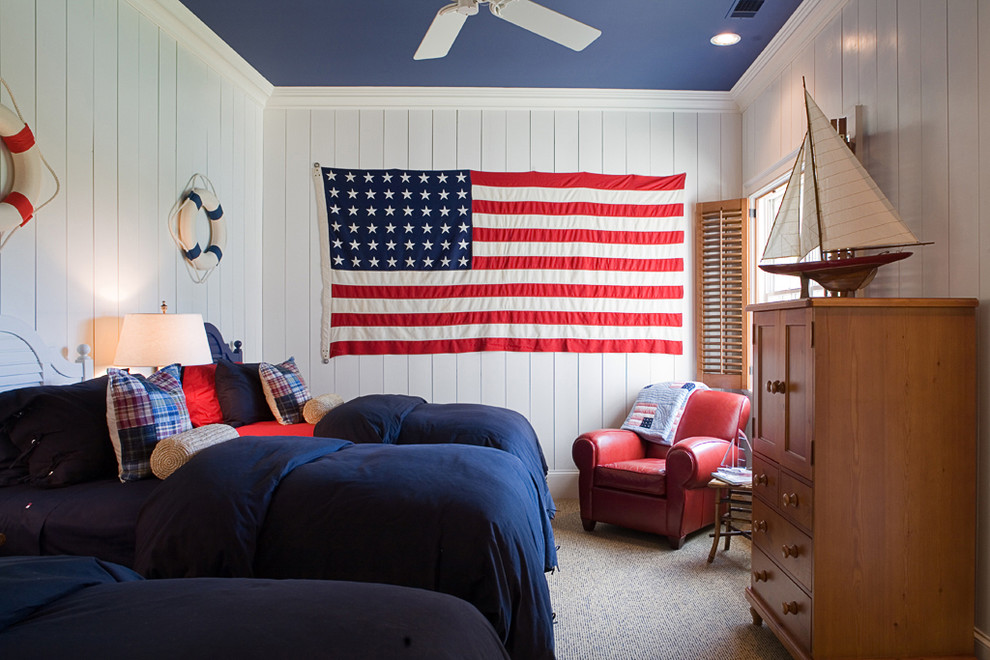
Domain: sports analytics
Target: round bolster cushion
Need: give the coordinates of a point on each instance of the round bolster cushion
(173, 452)
(318, 406)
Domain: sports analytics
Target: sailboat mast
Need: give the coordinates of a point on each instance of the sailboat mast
(814, 171)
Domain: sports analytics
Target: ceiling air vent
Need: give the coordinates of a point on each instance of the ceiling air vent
(745, 9)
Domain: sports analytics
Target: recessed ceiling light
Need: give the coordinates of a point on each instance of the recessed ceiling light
(726, 39)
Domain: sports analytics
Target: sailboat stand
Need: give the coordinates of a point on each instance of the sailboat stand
(832, 204)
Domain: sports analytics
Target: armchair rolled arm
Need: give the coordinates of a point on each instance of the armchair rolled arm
(606, 446)
(690, 462)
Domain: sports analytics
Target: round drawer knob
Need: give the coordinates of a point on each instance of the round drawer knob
(789, 551)
(760, 576)
(790, 608)
(760, 525)
(761, 480)
(790, 499)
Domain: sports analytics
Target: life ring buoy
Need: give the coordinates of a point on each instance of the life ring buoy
(19, 205)
(201, 258)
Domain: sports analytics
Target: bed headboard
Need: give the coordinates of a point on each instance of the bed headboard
(220, 349)
(26, 360)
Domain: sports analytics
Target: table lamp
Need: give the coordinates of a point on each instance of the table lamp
(156, 340)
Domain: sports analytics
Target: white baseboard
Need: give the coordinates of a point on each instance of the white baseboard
(563, 485)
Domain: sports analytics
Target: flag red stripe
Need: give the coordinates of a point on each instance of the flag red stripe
(579, 263)
(515, 290)
(508, 317)
(578, 208)
(522, 345)
(578, 180)
(528, 235)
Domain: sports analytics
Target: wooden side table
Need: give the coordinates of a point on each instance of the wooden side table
(733, 509)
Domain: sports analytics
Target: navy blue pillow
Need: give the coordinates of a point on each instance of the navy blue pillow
(373, 418)
(59, 434)
(241, 396)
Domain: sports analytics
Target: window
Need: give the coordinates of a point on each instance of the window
(723, 267)
(770, 288)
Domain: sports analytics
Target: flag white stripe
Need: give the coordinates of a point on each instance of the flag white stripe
(589, 222)
(484, 330)
(507, 277)
(499, 304)
(590, 195)
(595, 250)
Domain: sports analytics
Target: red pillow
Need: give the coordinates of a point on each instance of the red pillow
(199, 384)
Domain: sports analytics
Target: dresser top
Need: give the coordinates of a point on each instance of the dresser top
(864, 302)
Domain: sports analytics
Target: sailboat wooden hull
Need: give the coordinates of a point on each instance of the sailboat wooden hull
(838, 275)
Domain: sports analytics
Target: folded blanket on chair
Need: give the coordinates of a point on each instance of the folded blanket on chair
(658, 409)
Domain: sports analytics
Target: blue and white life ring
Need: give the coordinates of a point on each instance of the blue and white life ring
(200, 258)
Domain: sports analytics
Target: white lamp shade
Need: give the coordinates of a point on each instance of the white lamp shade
(156, 340)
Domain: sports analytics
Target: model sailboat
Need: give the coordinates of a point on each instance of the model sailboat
(832, 203)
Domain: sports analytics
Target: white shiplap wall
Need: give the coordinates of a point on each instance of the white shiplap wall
(126, 115)
(920, 72)
(561, 394)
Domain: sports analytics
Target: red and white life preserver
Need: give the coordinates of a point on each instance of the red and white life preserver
(201, 258)
(19, 205)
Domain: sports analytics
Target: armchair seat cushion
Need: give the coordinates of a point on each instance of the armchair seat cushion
(646, 475)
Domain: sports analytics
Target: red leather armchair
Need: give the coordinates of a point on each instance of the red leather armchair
(625, 480)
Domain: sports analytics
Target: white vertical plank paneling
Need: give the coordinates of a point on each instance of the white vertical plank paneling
(866, 36)
(254, 176)
(321, 151)
(209, 291)
(849, 54)
(50, 130)
(105, 181)
(224, 175)
(169, 187)
(590, 141)
(963, 151)
(273, 239)
(828, 68)
(396, 155)
(298, 215)
(134, 281)
(909, 139)
(730, 161)
(371, 154)
(78, 173)
(236, 206)
(934, 147)
(687, 160)
(150, 222)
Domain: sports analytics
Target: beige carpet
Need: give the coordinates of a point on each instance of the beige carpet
(625, 595)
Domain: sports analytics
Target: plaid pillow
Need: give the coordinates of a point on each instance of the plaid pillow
(285, 390)
(140, 412)
(656, 414)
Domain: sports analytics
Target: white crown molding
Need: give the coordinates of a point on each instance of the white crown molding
(174, 18)
(491, 98)
(801, 28)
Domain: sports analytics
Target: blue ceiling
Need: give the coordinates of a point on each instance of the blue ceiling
(645, 44)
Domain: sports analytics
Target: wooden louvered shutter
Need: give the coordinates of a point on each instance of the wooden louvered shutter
(722, 261)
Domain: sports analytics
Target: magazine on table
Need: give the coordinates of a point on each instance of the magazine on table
(734, 476)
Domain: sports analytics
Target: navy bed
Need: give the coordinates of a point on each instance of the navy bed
(74, 607)
(392, 490)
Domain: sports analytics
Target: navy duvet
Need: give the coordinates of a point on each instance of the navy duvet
(460, 519)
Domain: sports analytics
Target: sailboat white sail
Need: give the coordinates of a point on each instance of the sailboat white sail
(831, 202)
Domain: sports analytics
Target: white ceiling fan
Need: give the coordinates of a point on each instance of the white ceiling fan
(524, 13)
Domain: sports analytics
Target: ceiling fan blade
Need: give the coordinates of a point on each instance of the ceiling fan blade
(546, 23)
(442, 33)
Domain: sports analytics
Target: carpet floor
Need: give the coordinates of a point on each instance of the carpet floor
(620, 594)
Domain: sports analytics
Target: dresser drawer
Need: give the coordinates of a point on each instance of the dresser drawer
(765, 478)
(795, 501)
(780, 539)
(788, 603)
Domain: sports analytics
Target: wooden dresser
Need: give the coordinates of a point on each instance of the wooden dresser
(864, 476)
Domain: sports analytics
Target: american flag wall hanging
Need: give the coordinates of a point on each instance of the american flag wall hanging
(455, 261)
